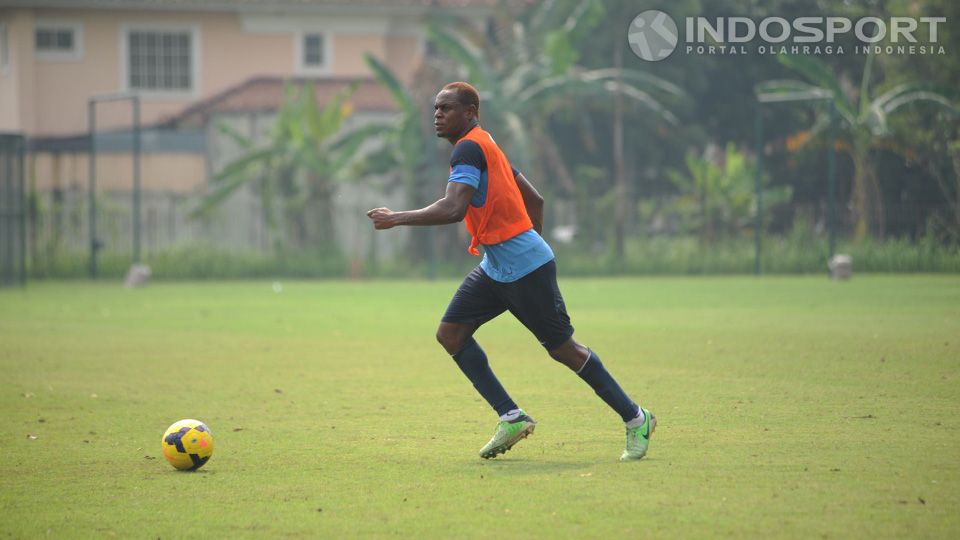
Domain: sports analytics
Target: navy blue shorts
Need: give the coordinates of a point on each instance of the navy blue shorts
(534, 300)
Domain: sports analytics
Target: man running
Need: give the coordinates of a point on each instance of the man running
(504, 215)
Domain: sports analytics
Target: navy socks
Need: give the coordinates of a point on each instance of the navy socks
(473, 363)
(597, 376)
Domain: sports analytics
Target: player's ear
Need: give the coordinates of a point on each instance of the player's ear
(472, 111)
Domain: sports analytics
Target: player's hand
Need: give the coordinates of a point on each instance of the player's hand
(382, 218)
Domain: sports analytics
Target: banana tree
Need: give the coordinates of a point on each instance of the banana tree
(296, 171)
(519, 84)
(404, 148)
(530, 72)
(404, 140)
(862, 124)
(718, 195)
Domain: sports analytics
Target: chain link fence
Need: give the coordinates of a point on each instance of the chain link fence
(13, 269)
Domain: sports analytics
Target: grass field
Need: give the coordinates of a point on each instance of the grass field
(788, 407)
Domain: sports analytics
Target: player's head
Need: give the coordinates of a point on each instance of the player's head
(456, 107)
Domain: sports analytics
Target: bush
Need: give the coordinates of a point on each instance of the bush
(198, 261)
(660, 255)
(780, 255)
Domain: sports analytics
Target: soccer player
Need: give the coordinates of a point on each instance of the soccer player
(504, 215)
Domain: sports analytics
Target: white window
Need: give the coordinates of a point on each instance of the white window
(161, 60)
(313, 52)
(58, 40)
(4, 48)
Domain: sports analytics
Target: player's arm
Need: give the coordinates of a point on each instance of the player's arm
(450, 209)
(532, 200)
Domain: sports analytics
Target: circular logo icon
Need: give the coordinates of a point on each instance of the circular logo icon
(652, 35)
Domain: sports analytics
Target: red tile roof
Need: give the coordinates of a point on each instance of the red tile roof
(266, 94)
(251, 5)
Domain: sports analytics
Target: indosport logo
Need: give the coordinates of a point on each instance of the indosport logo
(653, 35)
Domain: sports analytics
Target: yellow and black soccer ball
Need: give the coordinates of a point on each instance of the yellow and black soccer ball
(187, 444)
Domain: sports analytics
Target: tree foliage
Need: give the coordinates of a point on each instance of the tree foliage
(863, 116)
(296, 171)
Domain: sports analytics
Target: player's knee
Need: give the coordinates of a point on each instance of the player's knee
(566, 358)
(571, 354)
(442, 337)
(449, 339)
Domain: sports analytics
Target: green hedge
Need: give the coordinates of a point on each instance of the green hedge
(660, 255)
(780, 255)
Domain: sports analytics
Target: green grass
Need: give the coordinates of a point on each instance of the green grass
(788, 407)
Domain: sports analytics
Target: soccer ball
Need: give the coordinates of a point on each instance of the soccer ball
(187, 444)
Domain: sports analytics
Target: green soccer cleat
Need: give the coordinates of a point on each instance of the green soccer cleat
(507, 435)
(638, 438)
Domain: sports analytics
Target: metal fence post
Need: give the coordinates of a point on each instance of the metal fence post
(92, 185)
(22, 149)
(810, 94)
(7, 212)
(758, 228)
(13, 210)
(136, 143)
(832, 179)
(135, 101)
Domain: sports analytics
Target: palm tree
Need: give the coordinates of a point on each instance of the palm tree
(530, 72)
(404, 141)
(516, 84)
(862, 124)
(404, 148)
(297, 169)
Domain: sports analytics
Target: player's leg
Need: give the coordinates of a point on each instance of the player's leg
(588, 366)
(639, 422)
(457, 339)
(476, 302)
(536, 301)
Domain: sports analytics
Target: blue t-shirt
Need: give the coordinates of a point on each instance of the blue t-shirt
(510, 260)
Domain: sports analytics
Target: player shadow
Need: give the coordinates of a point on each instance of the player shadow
(532, 465)
(201, 472)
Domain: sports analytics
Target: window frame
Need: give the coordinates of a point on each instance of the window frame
(4, 48)
(74, 26)
(325, 67)
(193, 30)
